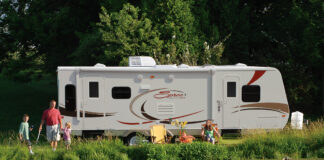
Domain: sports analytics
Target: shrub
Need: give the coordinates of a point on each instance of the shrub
(320, 153)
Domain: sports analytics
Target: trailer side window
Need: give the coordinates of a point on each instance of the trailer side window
(70, 99)
(93, 89)
(231, 89)
(121, 92)
(251, 93)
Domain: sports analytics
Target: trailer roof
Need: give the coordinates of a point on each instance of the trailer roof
(165, 68)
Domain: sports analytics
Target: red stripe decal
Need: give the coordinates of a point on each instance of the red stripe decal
(135, 123)
(256, 76)
(164, 119)
(148, 122)
(128, 123)
(184, 115)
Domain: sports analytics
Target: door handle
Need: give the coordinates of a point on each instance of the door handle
(218, 105)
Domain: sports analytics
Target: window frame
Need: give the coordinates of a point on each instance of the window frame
(112, 92)
(244, 94)
(227, 89)
(98, 95)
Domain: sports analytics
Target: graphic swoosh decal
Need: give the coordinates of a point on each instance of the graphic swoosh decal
(192, 122)
(256, 76)
(168, 120)
(128, 123)
(185, 115)
(65, 112)
(278, 107)
(145, 114)
(133, 100)
(189, 122)
(246, 109)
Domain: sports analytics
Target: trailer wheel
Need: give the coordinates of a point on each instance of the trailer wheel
(173, 139)
(135, 139)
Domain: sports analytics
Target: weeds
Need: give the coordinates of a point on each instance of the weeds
(256, 144)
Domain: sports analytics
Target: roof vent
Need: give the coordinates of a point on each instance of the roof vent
(166, 66)
(100, 65)
(241, 64)
(141, 61)
(183, 66)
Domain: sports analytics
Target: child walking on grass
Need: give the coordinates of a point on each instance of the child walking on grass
(67, 135)
(24, 132)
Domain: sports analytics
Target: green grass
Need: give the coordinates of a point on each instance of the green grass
(254, 144)
(231, 141)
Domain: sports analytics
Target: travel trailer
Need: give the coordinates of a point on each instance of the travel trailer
(122, 101)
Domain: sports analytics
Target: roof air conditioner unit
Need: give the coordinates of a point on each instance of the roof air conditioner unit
(141, 61)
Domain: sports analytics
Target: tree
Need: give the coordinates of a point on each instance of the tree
(122, 34)
(175, 22)
(286, 35)
(44, 30)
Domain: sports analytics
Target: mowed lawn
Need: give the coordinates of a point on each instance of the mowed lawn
(18, 98)
(231, 141)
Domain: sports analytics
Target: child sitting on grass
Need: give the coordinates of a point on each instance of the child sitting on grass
(24, 132)
(208, 132)
(67, 135)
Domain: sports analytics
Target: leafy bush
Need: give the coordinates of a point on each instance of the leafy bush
(320, 153)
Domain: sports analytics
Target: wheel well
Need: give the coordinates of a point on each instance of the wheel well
(145, 133)
(131, 134)
(92, 133)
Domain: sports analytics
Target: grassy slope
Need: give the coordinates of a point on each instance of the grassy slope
(259, 144)
(17, 99)
(275, 145)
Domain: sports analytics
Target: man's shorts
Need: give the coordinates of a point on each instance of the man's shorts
(53, 133)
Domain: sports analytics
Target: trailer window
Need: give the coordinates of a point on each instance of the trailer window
(70, 103)
(121, 92)
(93, 89)
(231, 89)
(251, 93)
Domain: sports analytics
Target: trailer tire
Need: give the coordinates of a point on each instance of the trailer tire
(173, 139)
(134, 139)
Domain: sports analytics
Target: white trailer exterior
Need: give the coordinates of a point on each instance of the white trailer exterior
(125, 100)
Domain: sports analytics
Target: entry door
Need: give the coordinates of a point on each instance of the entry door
(231, 102)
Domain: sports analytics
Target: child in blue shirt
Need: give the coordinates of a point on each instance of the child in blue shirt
(24, 132)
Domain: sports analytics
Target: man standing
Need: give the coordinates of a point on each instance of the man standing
(52, 117)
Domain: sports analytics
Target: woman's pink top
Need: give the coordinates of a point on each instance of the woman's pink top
(67, 134)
